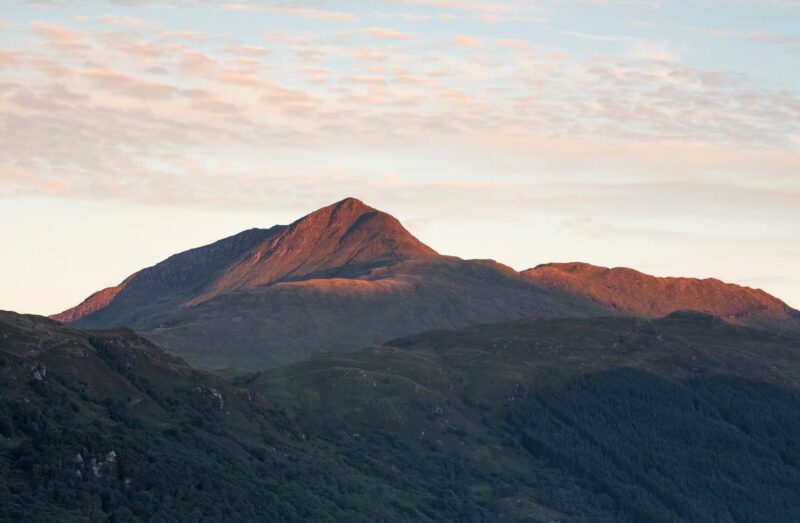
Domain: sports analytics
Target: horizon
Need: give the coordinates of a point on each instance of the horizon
(660, 137)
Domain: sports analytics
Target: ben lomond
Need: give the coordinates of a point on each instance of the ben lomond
(348, 276)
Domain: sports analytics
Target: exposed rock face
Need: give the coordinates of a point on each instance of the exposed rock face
(348, 275)
(632, 292)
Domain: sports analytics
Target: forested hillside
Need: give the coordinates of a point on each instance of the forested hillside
(609, 419)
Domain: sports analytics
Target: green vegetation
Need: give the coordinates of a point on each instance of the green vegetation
(681, 419)
(651, 449)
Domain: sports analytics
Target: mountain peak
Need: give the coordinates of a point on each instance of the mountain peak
(353, 203)
(338, 214)
(330, 240)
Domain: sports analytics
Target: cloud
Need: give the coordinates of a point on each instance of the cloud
(247, 50)
(150, 106)
(60, 37)
(302, 12)
(518, 108)
(382, 33)
(642, 4)
(120, 83)
(468, 5)
(500, 18)
(759, 37)
(767, 37)
(467, 41)
(597, 37)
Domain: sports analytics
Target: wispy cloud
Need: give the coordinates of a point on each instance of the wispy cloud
(383, 33)
(760, 37)
(302, 12)
(467, 41)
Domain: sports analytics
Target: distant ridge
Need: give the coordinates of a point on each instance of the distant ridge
(631, 292)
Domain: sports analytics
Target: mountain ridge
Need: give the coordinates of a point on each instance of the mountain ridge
(629, 291)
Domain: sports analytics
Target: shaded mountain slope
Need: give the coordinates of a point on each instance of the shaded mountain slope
(685, 418)
(486, 364)
(631, 292)
(288, 321)
(103, 425)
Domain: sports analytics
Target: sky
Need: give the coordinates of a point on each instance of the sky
(653, 134)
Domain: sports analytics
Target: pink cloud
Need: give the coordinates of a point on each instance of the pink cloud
(466, 41)
(382, 33)
(60, 37)
(121, 83)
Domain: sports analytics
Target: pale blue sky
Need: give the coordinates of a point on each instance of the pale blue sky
(659, 135)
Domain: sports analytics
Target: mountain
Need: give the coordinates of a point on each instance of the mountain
(342, 277)
(631, 292)
(685, 418)
(345, 235)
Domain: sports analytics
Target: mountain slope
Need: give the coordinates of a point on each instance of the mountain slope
(285, 322)
(168, 284)
(631, 292)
